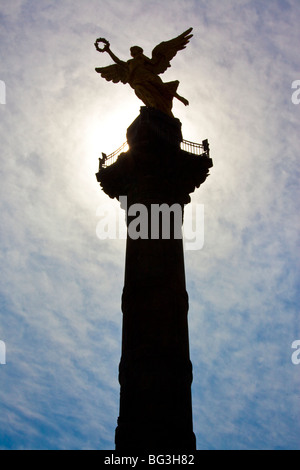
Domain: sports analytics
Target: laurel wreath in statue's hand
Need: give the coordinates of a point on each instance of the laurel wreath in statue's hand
(105, 48)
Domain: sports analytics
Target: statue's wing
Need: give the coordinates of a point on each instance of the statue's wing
(114, 73)
(165, 51)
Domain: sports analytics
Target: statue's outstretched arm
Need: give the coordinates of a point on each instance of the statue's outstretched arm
(117, 72)
(113, 56)
(106, 48)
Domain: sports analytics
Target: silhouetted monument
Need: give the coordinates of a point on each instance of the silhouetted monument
(155, 371)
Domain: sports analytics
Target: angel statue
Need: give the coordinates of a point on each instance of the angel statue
(142, 73)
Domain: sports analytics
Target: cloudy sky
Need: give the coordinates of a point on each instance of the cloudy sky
(60, 285)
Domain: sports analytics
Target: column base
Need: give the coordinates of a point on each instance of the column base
(157, 438)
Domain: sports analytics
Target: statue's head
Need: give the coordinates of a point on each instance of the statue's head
(136, 50)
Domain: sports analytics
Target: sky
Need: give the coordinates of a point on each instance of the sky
(61, 285)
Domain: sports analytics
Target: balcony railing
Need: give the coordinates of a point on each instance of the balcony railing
(194, 148)
(186, 145)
